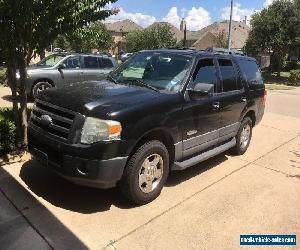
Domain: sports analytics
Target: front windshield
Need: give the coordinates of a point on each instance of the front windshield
(50, 61)
(159, 70)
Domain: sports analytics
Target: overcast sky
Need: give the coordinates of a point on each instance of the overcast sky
(198, 13)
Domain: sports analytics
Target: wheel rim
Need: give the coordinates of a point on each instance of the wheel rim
(245, 136)
(151, 173)
(42, 87)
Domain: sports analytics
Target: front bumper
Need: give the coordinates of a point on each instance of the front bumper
(71, 162)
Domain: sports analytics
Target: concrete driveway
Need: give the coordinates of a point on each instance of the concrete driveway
(205, 207)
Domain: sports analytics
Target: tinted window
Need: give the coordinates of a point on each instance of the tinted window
(91, 62)
(72, 63)
(105, 63)
(251, 71)
(228, 75)
(205, 72)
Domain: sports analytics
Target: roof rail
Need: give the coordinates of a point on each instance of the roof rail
(182, 48)
(225, 51)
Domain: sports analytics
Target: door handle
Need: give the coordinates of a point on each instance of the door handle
(216, 105)
(243, 99)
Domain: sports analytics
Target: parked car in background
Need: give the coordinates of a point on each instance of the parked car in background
(58, 70)
(125, 56)
(159, 111)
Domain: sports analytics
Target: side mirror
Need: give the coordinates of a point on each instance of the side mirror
(61, 66)
(202, 90)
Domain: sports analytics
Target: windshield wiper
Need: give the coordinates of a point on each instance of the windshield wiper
(110, 78)
(139, 82)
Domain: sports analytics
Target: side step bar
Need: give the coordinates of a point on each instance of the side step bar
(204, 156)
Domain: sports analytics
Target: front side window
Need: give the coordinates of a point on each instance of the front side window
(228, 75)
(160, 70)
(205, 72)
(72, 63)
(50, 61)
(91, 62)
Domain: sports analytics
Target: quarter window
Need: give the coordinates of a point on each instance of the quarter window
(205, 72)
(251, 71)
(228, 75)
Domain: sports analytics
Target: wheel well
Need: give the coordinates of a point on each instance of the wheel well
(251, 115)
(44, 80)
(161, 136)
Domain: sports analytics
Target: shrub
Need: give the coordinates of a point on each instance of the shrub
(294, 77)
(291, 65)
(7, 131)
(2, 75)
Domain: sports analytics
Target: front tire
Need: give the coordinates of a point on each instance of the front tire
(243, 137)
(145, 173)
(38, 87)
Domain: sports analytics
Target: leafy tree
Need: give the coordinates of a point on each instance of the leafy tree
(62, 42)
(30, 26)
(94, 36)
(273, 30)
(159, 36)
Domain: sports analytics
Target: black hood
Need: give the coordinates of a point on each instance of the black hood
(102, 97)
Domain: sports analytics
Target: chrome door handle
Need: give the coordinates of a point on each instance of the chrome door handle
(216, 105)
(244, 99)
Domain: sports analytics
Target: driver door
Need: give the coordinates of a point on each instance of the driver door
(202, 119)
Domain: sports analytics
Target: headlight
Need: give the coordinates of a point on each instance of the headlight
(95, 130)
(18, 75)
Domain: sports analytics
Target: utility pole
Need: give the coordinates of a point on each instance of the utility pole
(230, 26)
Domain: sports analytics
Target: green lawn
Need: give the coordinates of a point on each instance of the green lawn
(273, 82)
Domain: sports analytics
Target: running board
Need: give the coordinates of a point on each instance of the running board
(204, 156)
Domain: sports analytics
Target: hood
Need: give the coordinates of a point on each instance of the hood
(98, 98)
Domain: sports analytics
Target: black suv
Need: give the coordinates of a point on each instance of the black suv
(161, 110)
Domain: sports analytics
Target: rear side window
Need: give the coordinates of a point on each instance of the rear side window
(251, 71)
(228, 75)
(105, 63)
(205, 72)
(72, 63)
(91, 62)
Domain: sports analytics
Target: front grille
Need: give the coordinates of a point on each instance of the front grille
(60, 122)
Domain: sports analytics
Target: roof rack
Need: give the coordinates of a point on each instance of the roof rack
(225, 51)
(182, 48)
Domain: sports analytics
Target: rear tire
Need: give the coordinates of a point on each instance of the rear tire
(243, 137)
(38, 87)
(145, 173)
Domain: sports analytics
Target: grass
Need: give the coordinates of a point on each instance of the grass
(274, 82)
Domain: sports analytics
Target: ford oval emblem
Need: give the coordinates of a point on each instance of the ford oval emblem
(46, 120)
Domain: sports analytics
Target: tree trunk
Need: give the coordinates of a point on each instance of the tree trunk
(23, 100)
(11, 69)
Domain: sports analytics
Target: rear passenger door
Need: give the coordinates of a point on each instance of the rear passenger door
(96, 68)
(232, 98)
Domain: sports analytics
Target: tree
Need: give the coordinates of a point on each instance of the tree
(273, 30)
(30, 26)
(93, 36)
(220, 39)
(159, 36)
